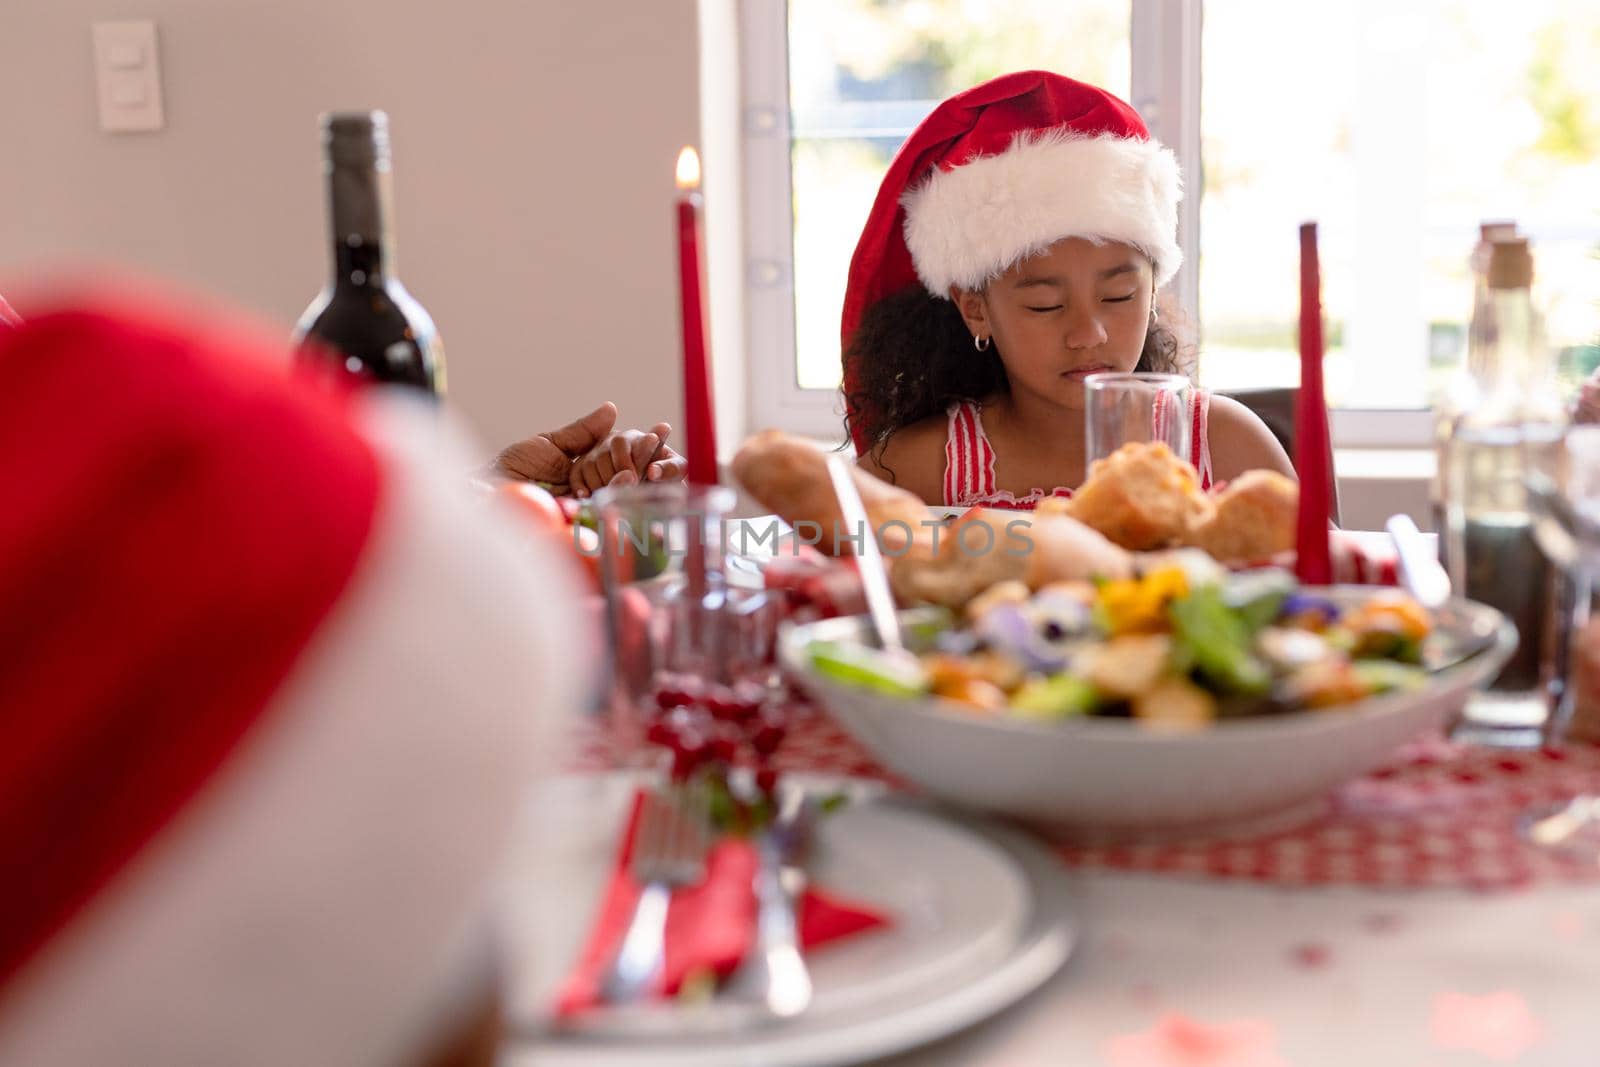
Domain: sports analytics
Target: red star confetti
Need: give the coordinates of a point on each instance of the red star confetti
(1499, 1025)
(1568, 925)
(1181, 1041)
(1312, 955)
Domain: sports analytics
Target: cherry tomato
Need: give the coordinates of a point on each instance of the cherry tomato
(536, 505)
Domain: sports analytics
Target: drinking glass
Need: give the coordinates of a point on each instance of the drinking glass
(1566, 512)
(1138, 407)
(676, 603)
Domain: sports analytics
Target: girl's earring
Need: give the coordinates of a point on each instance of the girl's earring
(980, 343)
(1153, 317)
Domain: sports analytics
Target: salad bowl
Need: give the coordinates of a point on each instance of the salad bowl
(1124, 774)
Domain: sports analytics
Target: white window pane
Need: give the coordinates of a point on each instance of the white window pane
(863, 73)
(1399, 130)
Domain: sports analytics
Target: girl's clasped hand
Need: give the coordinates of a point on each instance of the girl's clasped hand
(589, 454)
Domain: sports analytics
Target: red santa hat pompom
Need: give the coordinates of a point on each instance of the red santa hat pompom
(268, 698)
(1002, 171)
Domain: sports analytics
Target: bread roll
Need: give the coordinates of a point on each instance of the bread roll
(986, 547)
(1141, 497)
(1253, 519)
(789, 475)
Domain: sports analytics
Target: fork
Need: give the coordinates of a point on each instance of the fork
(774, 973)
(669, 852)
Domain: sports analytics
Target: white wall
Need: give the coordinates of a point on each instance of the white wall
(534, 144)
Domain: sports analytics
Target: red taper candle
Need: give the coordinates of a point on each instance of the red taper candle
(699, 412)
(1312, 458)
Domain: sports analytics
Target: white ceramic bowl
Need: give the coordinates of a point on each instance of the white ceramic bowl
(1114, 775)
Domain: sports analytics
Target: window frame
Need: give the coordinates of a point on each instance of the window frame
(776, 399)
(1165, 55)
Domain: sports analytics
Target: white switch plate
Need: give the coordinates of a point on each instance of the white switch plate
(128, 76)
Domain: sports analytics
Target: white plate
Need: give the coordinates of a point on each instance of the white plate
(980, 920)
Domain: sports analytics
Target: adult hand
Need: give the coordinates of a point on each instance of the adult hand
(549, 457)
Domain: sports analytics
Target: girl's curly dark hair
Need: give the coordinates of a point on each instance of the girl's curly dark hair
(912, 356)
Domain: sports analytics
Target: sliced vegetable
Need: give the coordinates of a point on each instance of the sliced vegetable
(1391, 610)
(1378, 644)
(1389, 626)
(870, 668)
(1216, 641)
(1380, 676)
(974, 693)
(1258, 596)
(1061, 696)
(1166, 649)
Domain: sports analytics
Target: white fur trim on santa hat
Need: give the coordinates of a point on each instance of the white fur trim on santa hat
(967, 226)
(320, 901)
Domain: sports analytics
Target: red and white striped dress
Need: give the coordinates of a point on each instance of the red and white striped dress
(969, 459)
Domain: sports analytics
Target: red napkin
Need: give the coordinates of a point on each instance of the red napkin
(709, 926)
(1357, 557)
(1313, 458)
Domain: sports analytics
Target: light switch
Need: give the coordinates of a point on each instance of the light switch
(128, 76)
(125, 56)
(127, 94)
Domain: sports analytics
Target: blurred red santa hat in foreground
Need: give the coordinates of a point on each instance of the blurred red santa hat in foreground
(269, 693)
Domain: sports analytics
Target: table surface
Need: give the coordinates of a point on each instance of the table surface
(1329, 976)
(1260, 975)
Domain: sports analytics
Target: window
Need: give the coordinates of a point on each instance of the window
(1397, 127)
(1406, 125)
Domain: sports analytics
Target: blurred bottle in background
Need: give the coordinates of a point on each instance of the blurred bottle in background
(1460, 385)
(364, 323)
(1510, 422)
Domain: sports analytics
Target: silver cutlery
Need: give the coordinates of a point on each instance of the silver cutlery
(874, 576)
(1420, 571)
(774, 972)
(669, 852)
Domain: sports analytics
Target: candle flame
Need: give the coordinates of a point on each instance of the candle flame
(688, 168)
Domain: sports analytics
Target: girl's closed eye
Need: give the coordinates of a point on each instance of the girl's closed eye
(1044, 310)
(1118, 299)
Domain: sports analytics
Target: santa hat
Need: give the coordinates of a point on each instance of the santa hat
(268, 698)
(1002, 171)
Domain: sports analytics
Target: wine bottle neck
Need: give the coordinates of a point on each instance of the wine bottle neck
(359, 198)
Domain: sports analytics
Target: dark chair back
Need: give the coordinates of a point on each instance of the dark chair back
(1275, 407)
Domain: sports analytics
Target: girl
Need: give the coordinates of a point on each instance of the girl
(1016, 246)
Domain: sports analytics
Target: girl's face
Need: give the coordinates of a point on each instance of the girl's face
(1075, 309)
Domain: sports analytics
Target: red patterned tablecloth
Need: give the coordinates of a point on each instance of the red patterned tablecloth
(1437, 815)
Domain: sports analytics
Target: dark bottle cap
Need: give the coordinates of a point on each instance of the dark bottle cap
(356, 139)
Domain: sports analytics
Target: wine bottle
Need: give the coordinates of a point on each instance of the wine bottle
(364, 324)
